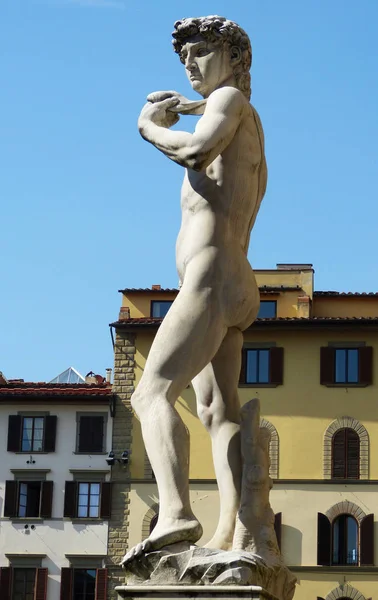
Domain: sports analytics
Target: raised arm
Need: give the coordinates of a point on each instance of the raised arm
(213, 133)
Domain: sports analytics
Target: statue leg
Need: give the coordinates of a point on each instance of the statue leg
(186, 341)
(216, 389)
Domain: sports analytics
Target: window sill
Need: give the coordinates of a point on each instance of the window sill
(31, 452)
(91, 453)
(346, 385)
(27, 520)
(259, 385)
(86, 520)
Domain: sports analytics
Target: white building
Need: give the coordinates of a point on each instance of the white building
(54, 489)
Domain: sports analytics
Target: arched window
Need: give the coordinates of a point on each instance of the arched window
(345, 541)
(153, 522)
(346, 454)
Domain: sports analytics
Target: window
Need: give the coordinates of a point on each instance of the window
(31, 433)
(91, 433)
(28, 499)
(345, 538)
(159, 308)
(346, 366)
(87, 500)
(346, 454)
(23, 583)
(345, 541)
(261, 366)
(268, 309)
(83, 584)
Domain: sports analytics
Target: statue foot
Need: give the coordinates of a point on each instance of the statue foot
(165, 533)
(219, 542)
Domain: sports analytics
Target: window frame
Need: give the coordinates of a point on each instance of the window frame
(33, 440)
(344, 551)
(88, 496)
(268, 302)
(25, 571)
(104, 416)
(346, 432)
(257, 351)
(347, 381)
(155, 302)
(275, 366)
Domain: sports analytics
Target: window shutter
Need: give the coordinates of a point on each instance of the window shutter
(243, 368)
(352, 454)
(91, 434)
(66, 577)
(319, 598)
(40, 592)
(5, 583)
(50, 433)
(338, 455)
(367, 541)
(70, 499)
(276, 365)
(46, 499)
(10, 501)
(14, 433)
(324, 540)
(101, 584)
(365, 365)
(327, 365)
(278, 528)
(106, 497)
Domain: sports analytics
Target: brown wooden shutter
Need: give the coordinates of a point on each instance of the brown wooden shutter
(5, 583)
(101, 584)
(243, 368)
(352, 454)
(106, 497)
(327, 365)
(66, 581)
(14, 433)
(278, 528)
(319, 598)
(367, 541)
(91, 434)
(10, 501)
(338, 455)
(324, 540)
(50, 433)
(365, 365)
(46, 499)
(70, 499)
(40, 591)
(276, 362)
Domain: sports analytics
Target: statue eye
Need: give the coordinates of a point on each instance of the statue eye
(202, 52)
(183, 58)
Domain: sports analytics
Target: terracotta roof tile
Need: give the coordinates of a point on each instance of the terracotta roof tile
(149, 321)
(357, 294)
(262, 288)
(30, 388)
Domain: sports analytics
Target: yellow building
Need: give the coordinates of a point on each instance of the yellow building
(312, 360)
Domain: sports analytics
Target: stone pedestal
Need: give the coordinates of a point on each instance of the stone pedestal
(197, 592)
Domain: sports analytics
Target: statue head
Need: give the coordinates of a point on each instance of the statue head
(220, 36)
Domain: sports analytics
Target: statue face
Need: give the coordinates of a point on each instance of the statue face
(207, 65)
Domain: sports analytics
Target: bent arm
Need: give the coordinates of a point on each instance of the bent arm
(213, 133)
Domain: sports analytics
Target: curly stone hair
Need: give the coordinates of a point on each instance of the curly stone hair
(218, 30)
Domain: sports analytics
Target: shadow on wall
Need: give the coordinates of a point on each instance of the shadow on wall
(292, 545)
(53, 585)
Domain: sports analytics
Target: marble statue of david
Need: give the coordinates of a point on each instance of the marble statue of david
(200, 339)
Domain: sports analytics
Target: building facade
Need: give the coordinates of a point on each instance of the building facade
(312, 360)
(55, 493)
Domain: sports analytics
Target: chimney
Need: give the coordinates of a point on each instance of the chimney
(108, 375)
(156, 287)
(124, 313)
(294, 267)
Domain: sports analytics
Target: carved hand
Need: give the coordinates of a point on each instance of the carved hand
(159, 113)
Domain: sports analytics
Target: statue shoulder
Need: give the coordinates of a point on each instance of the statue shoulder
(226, 98)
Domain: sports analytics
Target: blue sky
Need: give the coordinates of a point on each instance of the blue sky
(88, 208)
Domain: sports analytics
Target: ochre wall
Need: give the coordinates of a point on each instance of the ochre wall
(344, 306)
(301, 409)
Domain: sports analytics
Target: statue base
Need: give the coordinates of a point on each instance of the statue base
(197, 592)
(179, 569)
